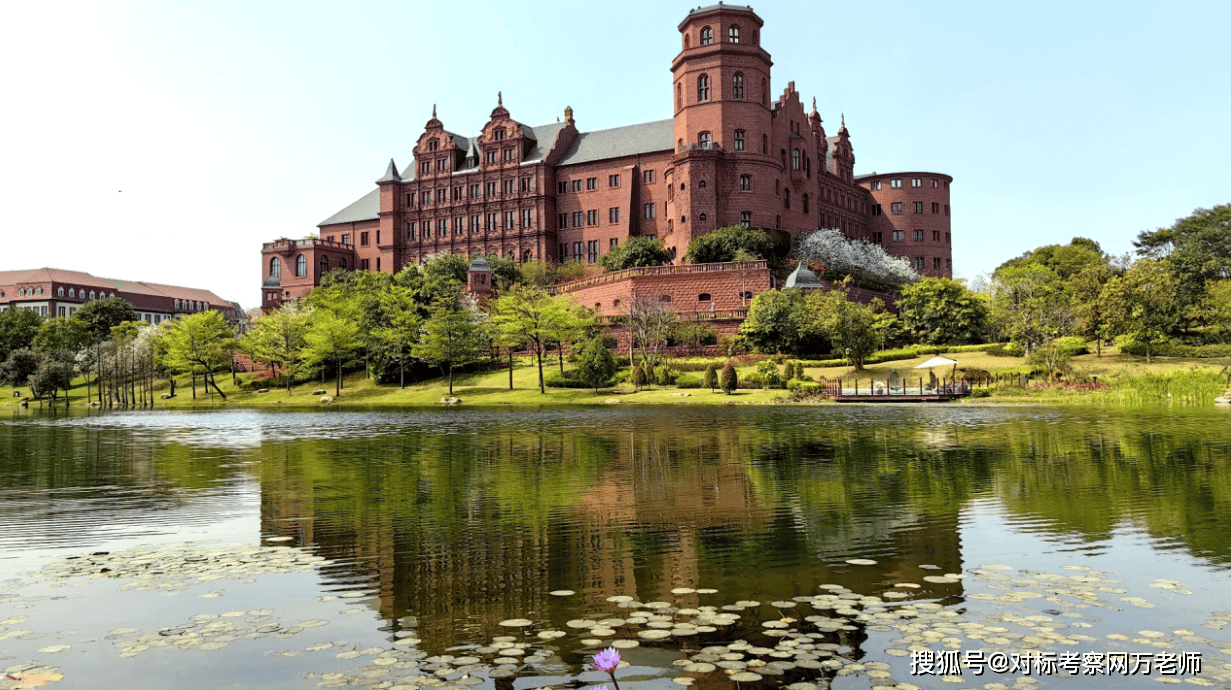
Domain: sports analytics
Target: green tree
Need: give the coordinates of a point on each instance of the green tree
(333, 334)
(638, 377)
(942, 311)
(1030, 304)
(694, 333)
(59, 340)
(505, 271)
(100, 316)
(636, 252)
(50, 377)
(650, 322)
(785, 321)
(453, 337)
(279, 339)
(724, 243)
(1089, 305)
(1203, 239)
(20, 366)
(399, 330)
(596, 364)
(848, 325)
(573, 322)
(202, 340)
(1218, 312)
(1143, 303)
(529, 315)
(1065, 260)
(17, 330)
(710, 378)
(728, 379)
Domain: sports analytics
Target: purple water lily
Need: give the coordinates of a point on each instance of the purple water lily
(607, 661)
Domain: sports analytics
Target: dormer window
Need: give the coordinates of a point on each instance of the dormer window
(432, 146)
(60, 291)
(707, 35)
(733, 34)
(499, 132)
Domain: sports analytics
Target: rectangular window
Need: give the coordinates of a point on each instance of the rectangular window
(474, 223)
(613, 180)
(876, 186)
(410, 230)
(525, 184)
(591, 217)
(918, 235)
(934, 185)
(876, 209)
(378, 263)
(935, 207)
(491, 223)
(591, 183)
(745, 218)
(577, 251)
(649, 211)
(491, 157)
(563, 255)
(946, 208)
(410, 199)
(577, 185)
(651, 237)
(562, 220)
(613, 243)
(527, 217)
(363, 264)
(896, 207)
(508, 186)
(947, 241)
(918, 263)
(745, 183)
(897, 235)
(592, 251)
(739, 140)
(425, 167)
(510, 219)
(345, 239)
(457, 226)
(936, 263)
(457, 193)
(935, 235)
(363, 239)
(474, 191)
(916, 181)
(648, 176)
(440, 164)
(440, 196)
(613, 215)
(442, 227)
(878, 238)
(427, 197)
(917, 206)
(578, 219)
(508, 154)
(895, 184)
(490, 189)
(562, 187)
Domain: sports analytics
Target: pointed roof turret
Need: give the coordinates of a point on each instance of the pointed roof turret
(391, 174)
(842, 129)
(499, 112)
(803, 278)
(433, 123)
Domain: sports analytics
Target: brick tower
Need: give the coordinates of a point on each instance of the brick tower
(723, 122)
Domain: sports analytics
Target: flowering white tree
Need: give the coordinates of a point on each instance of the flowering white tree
(862, 260)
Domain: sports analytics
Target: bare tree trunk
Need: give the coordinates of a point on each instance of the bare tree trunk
(510, 367)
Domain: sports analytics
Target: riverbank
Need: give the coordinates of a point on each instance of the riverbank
(1111, 379)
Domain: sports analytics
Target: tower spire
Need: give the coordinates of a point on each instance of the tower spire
(499, 99)
(433, 111)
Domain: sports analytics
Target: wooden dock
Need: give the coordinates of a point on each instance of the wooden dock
(839, 392)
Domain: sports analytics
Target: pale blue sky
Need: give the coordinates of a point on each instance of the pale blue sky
(227, 124)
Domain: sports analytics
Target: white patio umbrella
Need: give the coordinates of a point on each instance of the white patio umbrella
(939, 361)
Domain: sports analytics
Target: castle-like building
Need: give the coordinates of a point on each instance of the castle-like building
(731, 154)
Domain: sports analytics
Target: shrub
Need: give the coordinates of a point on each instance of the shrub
(596, 365)
(665, 376)
(767, 372)
(981, 393)
(688, 381)
(973, 374)
(638, 377)
(732, 345)
(788, 371)
(569, 379)
(1072, 345)
(710, 378)
(728, 379)
(801, 385)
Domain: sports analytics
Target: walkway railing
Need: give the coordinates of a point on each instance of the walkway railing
(853, 387)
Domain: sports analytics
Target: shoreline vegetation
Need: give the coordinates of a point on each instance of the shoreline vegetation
(1114, 378)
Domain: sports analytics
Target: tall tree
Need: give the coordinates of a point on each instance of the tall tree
(575, 320)
(59, 340)
(597, 365)
(650, 322)
(849, 325)
(204, 341)
(529, 315)
(279, 339)
(942, 311)
(17, 330)
(399, 330)
(452, 337)
(333, 335)
(1089, 305)
(1030, 304)
(1143, 303)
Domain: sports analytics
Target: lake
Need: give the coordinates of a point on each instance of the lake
(750, 548)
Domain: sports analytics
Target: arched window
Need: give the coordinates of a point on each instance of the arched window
(342, 264)
(301, 265)
(616, 303)
(737, 85)
(679, 97)
(527, 255)
(707, 35)
(275, 268)
(786, 197)
(805, 203)
(764, 92)
(324, 265)
(739, 140)
(92, 294)
(664, 298)
(113, 295)
(703, 140)
(687, 41)
(702, 217)
(703, 87)
(795, 159)
(60, 291)
(733, 33)
(703, 297)
(765, 144)
(701, 184)
(72, 293)
(782, 156)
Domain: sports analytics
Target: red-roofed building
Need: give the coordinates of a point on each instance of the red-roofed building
(54, 292)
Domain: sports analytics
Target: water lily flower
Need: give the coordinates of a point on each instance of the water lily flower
(607, 661)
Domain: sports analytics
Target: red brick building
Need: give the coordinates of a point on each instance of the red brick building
(732, 153)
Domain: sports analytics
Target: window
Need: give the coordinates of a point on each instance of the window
(918, 263)
(591, 217)
(764, 92)
(491, 222)
(648, 176)
(794, 159)
(561, 187)
(679, 97)
(613, 180)
(60, 292)
(499, 132)
(918, 235)
(737, 86)
(947, 241)
(475, 225)
(301, 265)
(745, 218)
(474, 191)
(878, 238)
(345, 239)
(777, 187)
(440, 164)
(563, 255)
(363, 239)
(527, 217)
(917, 206)
(426, 197)
(765, 144)
(664, 298)
(703, 140)
(491, 156)
(410, 230)
(592, 251)
(895, 184)
(916, 181)
(378, 263)
(649, 211)
(733, 33)
(745, 183)
(442, 227)
(591, 183)
(490, 188)
(378, 237)
(71, 293)
(433, 145)
(935, 207)
(707, 35)
(613, 243)
(577, 251)
(935, 235)
(897, 235)
(782, 156)
(805, 203)
(510, 220)
(526, 184)
(576, 185)
(876, 186)
(946, 209)
(363, 264)
(508, 154)
(562, 220)
(457, 226)
(578, 219)
(739, 140)
(440, 196)
(275, 269)
(896, 208)
(457, 193)
(786, 198)
(936, 263)
(876, 209)
(703, 87)
(425, 167)
(701, 218)
(342, 264)
(508, 186)
(613, 215)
